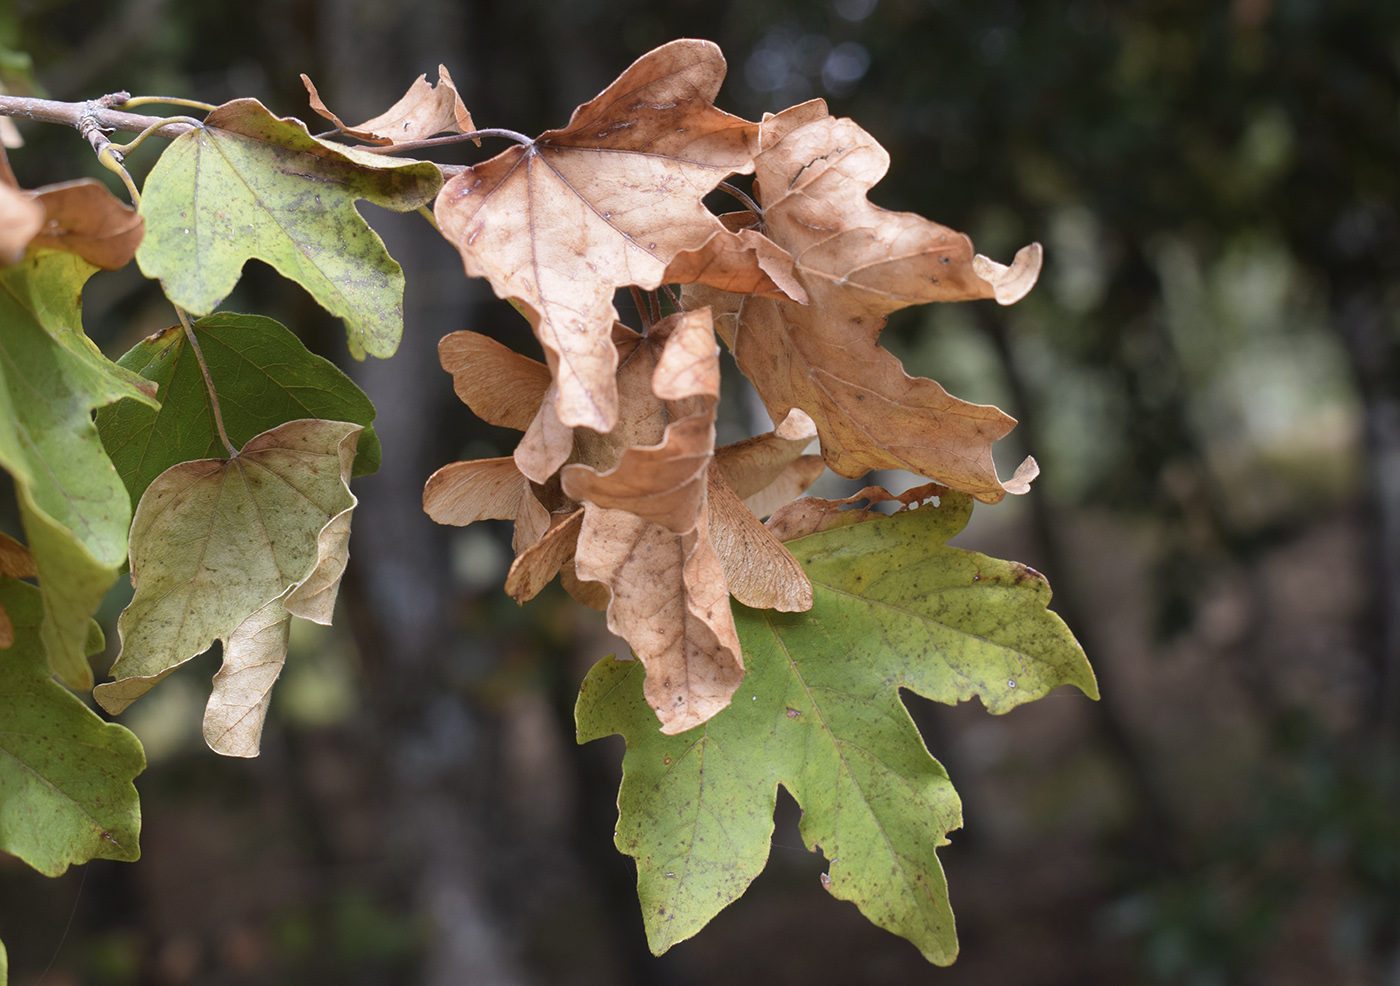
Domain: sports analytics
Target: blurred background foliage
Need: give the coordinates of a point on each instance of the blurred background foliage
(1208, 373)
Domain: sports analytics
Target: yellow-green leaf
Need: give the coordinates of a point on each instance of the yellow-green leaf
(819, 712)
(250, 185)
(65, 775)
(72, 504)
(214, 543)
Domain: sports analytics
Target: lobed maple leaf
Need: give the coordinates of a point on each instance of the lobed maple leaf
(819, 713)
(249, 185)
(66, 775)
(857, 264)
(610, 200)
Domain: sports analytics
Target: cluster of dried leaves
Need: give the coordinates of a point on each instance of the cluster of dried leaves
(617, 484)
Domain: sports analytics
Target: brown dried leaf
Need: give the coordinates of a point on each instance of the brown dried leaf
(424, 111)
(16, 562)
(811, 515)
(671, 603)
(501, 386)
(610, 200)
(645, 533)
(760, 572)
(21, 218)
(82, 217)
(859, 263)
(742, 262)
(536, 564)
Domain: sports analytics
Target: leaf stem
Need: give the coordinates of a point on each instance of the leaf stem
(111, 159)
(413, 145)
(643, 309)
(169, 101)
(675, 299)
(208, 382)
(124, 149)
(742, 196)
(427, 214)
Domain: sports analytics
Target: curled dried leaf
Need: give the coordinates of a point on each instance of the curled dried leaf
(82, 217)
(424, 111)
(500, 385)
(812, 514)
(858, 263)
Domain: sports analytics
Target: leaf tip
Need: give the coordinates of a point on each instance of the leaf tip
(1011, 284)
(1020, 481)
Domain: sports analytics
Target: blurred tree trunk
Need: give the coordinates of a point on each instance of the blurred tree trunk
(438, 749)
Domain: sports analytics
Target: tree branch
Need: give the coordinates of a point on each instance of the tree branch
(91, 114)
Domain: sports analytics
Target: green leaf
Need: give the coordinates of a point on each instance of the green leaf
(230, 549)
(819, 712)
(251, 185)
(70, 497)
(4, 965)
(264, 377)
(66, 792)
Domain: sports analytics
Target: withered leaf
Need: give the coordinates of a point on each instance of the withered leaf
(742, 262)
(501, 386)
(15, 562)
(645, 536)
(82, 217)
(425, 110)
(610, 200)
(858, 263)
(21, 218)
(812, 514)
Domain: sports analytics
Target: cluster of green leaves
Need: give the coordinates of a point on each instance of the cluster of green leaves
(214, 460)
(224, 546)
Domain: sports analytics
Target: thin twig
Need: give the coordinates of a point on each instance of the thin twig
(413, 145)
(654, 300)
(208, 382)
(427, 214)
(675, 298)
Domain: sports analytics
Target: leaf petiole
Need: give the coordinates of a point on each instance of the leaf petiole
(110, 158)
(208, 382)
(140, 138)
(643, 309)
(168, 101)
(742, 196)
(413, 145)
